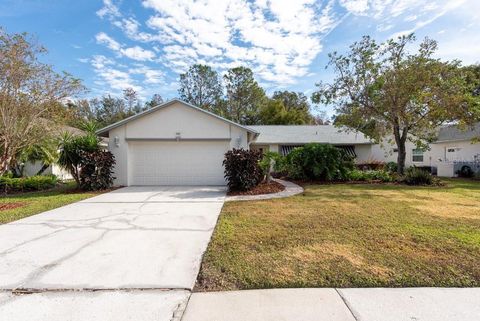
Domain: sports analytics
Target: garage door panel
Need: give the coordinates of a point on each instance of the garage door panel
(177, 163)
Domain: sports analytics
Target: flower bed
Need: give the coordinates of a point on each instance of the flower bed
(262, 188)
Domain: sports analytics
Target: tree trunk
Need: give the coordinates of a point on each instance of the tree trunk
(4, 163)
(402, 155)
(400, 140)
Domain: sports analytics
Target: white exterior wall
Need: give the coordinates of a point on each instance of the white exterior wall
(465, 150)
(32, 169)
(119, 150)
(163, 125)
(385, 152)
(435, 156)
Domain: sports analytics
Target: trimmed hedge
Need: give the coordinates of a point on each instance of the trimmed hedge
(242, 169)
(27, 184)
(370, 175)
(322, 162)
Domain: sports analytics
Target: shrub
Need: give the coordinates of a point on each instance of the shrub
(91, 167)
(27, 184)
(318, 162)
(272, 161)
(96, 170)
(418, 176)
(370, 175)
(465, 172)
(391, 167)
(242, 169)
(71, 148)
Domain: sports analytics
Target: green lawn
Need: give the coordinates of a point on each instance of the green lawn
(36, 202)
(349, 236)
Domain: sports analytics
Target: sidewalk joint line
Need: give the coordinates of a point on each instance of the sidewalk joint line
(352, 311)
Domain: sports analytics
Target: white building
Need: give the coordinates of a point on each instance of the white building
(452, 148)
(177, 143)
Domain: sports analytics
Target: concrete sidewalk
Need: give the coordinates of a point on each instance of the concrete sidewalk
(369, 304)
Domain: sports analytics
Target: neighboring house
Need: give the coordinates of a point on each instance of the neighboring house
(31, 169)
(284, 138)
(177, 143)
(452, 150)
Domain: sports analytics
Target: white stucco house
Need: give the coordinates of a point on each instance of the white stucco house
(174, 143)
(177, 143)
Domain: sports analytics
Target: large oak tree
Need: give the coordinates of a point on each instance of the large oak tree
(384, 91)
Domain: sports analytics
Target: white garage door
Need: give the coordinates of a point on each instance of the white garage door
(177, 163)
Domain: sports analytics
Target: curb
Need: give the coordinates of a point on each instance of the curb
(291, 189)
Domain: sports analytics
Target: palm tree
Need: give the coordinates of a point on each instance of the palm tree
(71, 148)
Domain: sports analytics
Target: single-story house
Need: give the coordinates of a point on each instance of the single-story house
(174, 143)
(177, 143)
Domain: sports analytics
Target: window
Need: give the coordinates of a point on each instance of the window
(417, 155)
(395, 150)
(286, 149)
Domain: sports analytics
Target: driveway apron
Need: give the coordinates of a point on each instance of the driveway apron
(124, 246)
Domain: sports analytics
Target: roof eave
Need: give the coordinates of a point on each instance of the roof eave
(166, 104)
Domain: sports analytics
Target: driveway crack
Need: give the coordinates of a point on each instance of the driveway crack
(44, 269)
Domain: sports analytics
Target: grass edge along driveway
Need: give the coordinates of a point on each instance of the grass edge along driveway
(349, 236)
(17, 206)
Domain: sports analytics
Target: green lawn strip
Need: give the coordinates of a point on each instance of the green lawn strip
(37, 202)
(349, 236)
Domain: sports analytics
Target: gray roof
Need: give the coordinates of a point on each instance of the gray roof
(302, 134)
(453, 133)
(166, 104)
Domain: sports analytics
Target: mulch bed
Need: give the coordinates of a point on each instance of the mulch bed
(262, 188)
(9, 206)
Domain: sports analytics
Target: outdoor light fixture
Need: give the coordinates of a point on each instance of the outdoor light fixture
(116, 140)
(177, 136)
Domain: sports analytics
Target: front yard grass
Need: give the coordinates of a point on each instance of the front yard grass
(17, 206)
(349, 236)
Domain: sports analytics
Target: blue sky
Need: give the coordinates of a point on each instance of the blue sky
(112, 45)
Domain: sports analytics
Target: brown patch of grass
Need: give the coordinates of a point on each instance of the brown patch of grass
(9, 206)
(349, 236)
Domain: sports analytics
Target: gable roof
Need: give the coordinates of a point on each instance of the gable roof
(453, 133)
(303, 134)
(166, 104)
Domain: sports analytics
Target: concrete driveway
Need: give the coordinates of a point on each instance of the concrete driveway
(133, 247)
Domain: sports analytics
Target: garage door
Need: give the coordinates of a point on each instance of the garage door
(177, 163)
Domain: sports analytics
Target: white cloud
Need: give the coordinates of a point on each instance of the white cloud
(109, 75)
(135, 53)
(109, 9)
(138, 53)
(355, 6)
(152, 76)
(105, 39)
(279, 39)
